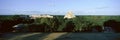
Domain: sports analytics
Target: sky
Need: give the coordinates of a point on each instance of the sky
(60, 7)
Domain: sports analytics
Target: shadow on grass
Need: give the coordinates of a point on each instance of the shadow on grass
(89, 36)
(64, 36)
(70, 36)
(24, 36)
(11, 35)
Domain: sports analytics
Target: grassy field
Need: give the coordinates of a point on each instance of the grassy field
(61, 36)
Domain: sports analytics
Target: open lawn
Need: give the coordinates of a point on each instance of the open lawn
(61, 36)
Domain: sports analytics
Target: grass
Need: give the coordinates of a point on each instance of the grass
(65, 36)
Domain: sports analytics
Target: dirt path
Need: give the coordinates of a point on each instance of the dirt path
(19, 37)
(53, 36)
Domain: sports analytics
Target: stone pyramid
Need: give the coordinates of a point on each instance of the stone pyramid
(69, 15)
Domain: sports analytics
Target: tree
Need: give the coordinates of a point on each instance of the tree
(69, 27)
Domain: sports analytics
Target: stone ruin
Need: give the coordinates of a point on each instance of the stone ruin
(69, 15)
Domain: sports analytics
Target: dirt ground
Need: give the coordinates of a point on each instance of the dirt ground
(60, 36)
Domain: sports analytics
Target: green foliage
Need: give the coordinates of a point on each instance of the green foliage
(79, 21)
(58, 22)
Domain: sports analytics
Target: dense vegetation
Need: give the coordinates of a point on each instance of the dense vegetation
(56, 24)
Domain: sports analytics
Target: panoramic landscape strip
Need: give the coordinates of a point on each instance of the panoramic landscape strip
(59, 23)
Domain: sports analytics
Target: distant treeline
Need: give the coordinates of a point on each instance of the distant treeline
(59, 24)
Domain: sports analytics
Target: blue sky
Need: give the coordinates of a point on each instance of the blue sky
(60, 7)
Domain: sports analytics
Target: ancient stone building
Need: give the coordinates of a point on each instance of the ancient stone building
(69, 15)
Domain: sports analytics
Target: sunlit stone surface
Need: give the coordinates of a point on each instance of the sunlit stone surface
(41, 16)
(69, 15)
